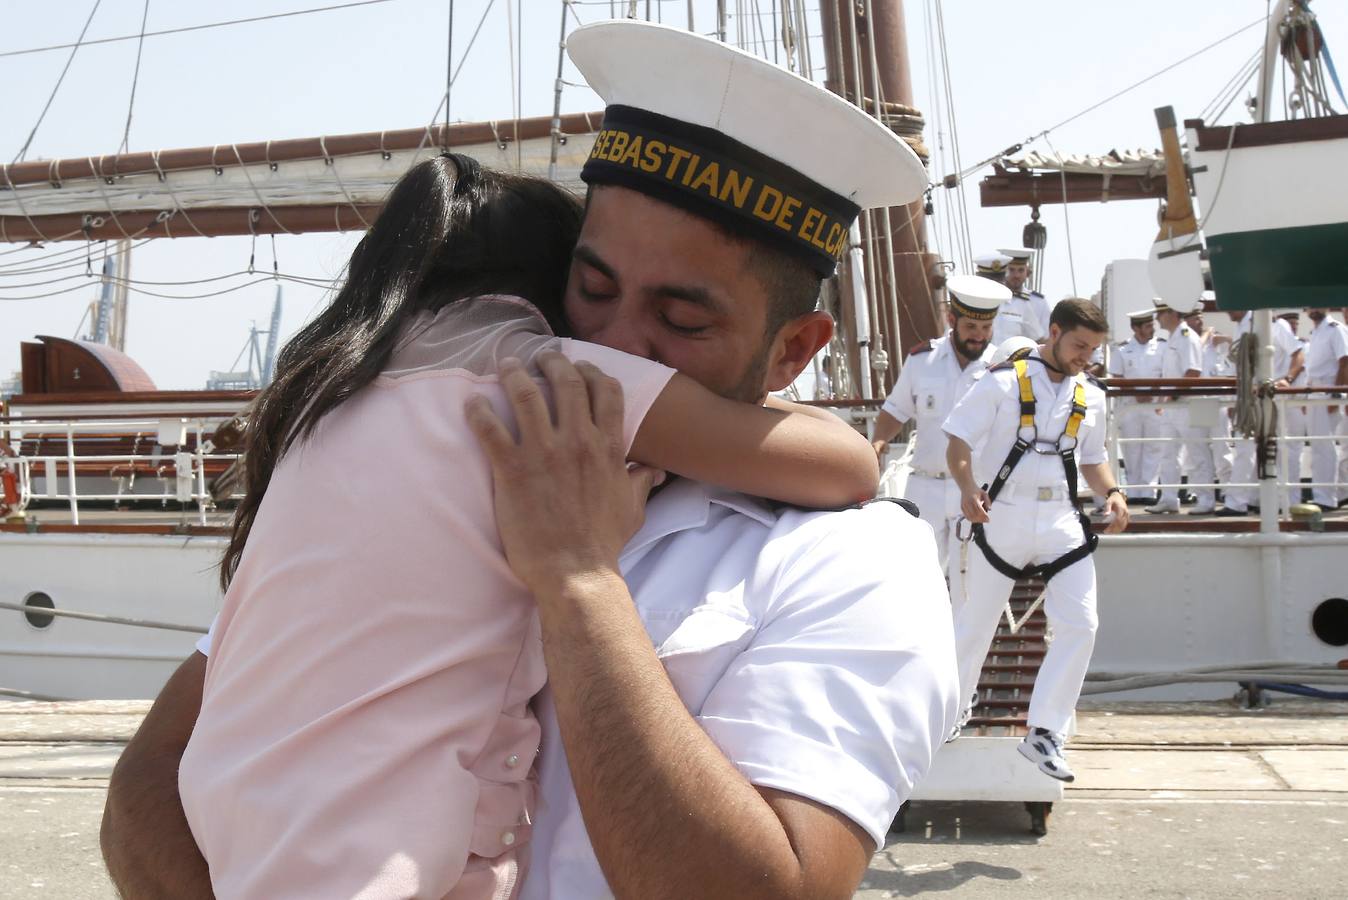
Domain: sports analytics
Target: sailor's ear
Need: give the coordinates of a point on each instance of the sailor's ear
(795, 345)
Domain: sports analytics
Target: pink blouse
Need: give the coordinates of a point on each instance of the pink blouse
(365, 727)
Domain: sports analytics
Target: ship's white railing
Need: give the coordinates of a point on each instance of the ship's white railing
(183, 470)
(1209, 404)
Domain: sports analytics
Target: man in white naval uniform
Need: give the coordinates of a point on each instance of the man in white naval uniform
(1327, 365)
(740, 696)
(1296, 419)
(1139, 357)
(1288, 361)
(1017, 279)
(1017, 316)
(1216, 364)
(1183, 358)
(935, 376)
(1037, 420)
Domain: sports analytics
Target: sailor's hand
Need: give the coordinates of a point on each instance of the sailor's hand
(976, 506)
(566, 500)
(881, 448)
(1116, 510)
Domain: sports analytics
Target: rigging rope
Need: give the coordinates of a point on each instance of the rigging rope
(132, 37)
(1067, 223)
(135, 79)
(75, 48)
(449, 76)
(954, 137)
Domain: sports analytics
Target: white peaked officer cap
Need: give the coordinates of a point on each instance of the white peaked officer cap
(1017, 254)
(975, 297)
(1009, 346)
(1184, 308)
(1142, 315)
(729, 136)
(992, 262)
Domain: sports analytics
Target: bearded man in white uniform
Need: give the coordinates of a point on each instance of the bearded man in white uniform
(936, 374)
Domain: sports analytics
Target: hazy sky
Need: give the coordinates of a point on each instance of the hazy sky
(383, 67)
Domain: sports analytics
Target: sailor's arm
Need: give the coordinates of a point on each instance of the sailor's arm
(1298, 362)
(974, 501)
(899, 408)
(886, 428)
(667, 814)
(147, 845)
(1101, 481)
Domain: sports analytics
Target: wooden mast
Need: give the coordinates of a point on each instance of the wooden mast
(909, 313)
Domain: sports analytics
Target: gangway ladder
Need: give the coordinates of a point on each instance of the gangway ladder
(983, 764)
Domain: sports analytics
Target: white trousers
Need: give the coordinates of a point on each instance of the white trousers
(1325, 462)
(1024, 532)
(1242, 470)
(1343, 454)
(1296, 425)
(1141, 462)
(1201, 466)
(937, 502)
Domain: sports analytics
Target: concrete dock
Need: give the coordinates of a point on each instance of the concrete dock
(1174, 800)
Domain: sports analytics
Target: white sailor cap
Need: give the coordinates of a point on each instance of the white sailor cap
(1017, 254)
(729, 136)
(1142, 315)
(976, 297)
(1009, 346)
(992, 263)
(1286, 313)
(1184, 309)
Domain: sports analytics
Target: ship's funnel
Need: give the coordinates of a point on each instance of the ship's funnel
(1174, 263)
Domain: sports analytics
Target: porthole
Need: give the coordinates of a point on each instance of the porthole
(39, 600)
(1330, 621)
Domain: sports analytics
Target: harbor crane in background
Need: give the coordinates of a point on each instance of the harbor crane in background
(261, 363)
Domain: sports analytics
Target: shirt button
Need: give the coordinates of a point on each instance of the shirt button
(508, 838)
(512, 761)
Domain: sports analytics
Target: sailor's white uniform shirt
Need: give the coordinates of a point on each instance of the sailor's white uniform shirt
(927, 389)
(1183, 353)
(1017, 318)
(1328, 344)
(1043, 310)
(1285, 343)
(815, 649)
(987, 418)
(1133, 359)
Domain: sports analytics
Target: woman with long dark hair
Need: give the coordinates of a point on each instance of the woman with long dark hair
(364, 727)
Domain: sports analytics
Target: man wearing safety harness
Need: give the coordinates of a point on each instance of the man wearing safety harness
(1038, 419)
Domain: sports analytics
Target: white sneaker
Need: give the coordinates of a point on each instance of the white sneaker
(1165, 506)
(1044, 748)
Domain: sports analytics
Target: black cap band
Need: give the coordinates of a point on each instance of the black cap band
(707, 173)
(983, 315)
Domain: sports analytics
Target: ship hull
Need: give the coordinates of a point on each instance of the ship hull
(1274, 211)
(1167, 602)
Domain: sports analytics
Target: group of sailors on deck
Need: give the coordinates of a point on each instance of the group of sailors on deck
(1162, 443)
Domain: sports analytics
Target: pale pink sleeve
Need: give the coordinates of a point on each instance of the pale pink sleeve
(642, 379)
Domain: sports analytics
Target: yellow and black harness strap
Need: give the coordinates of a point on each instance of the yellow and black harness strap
(1068, 456)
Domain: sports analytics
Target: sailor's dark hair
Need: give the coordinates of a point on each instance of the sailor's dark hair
(450, 230)
(1075, 312)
